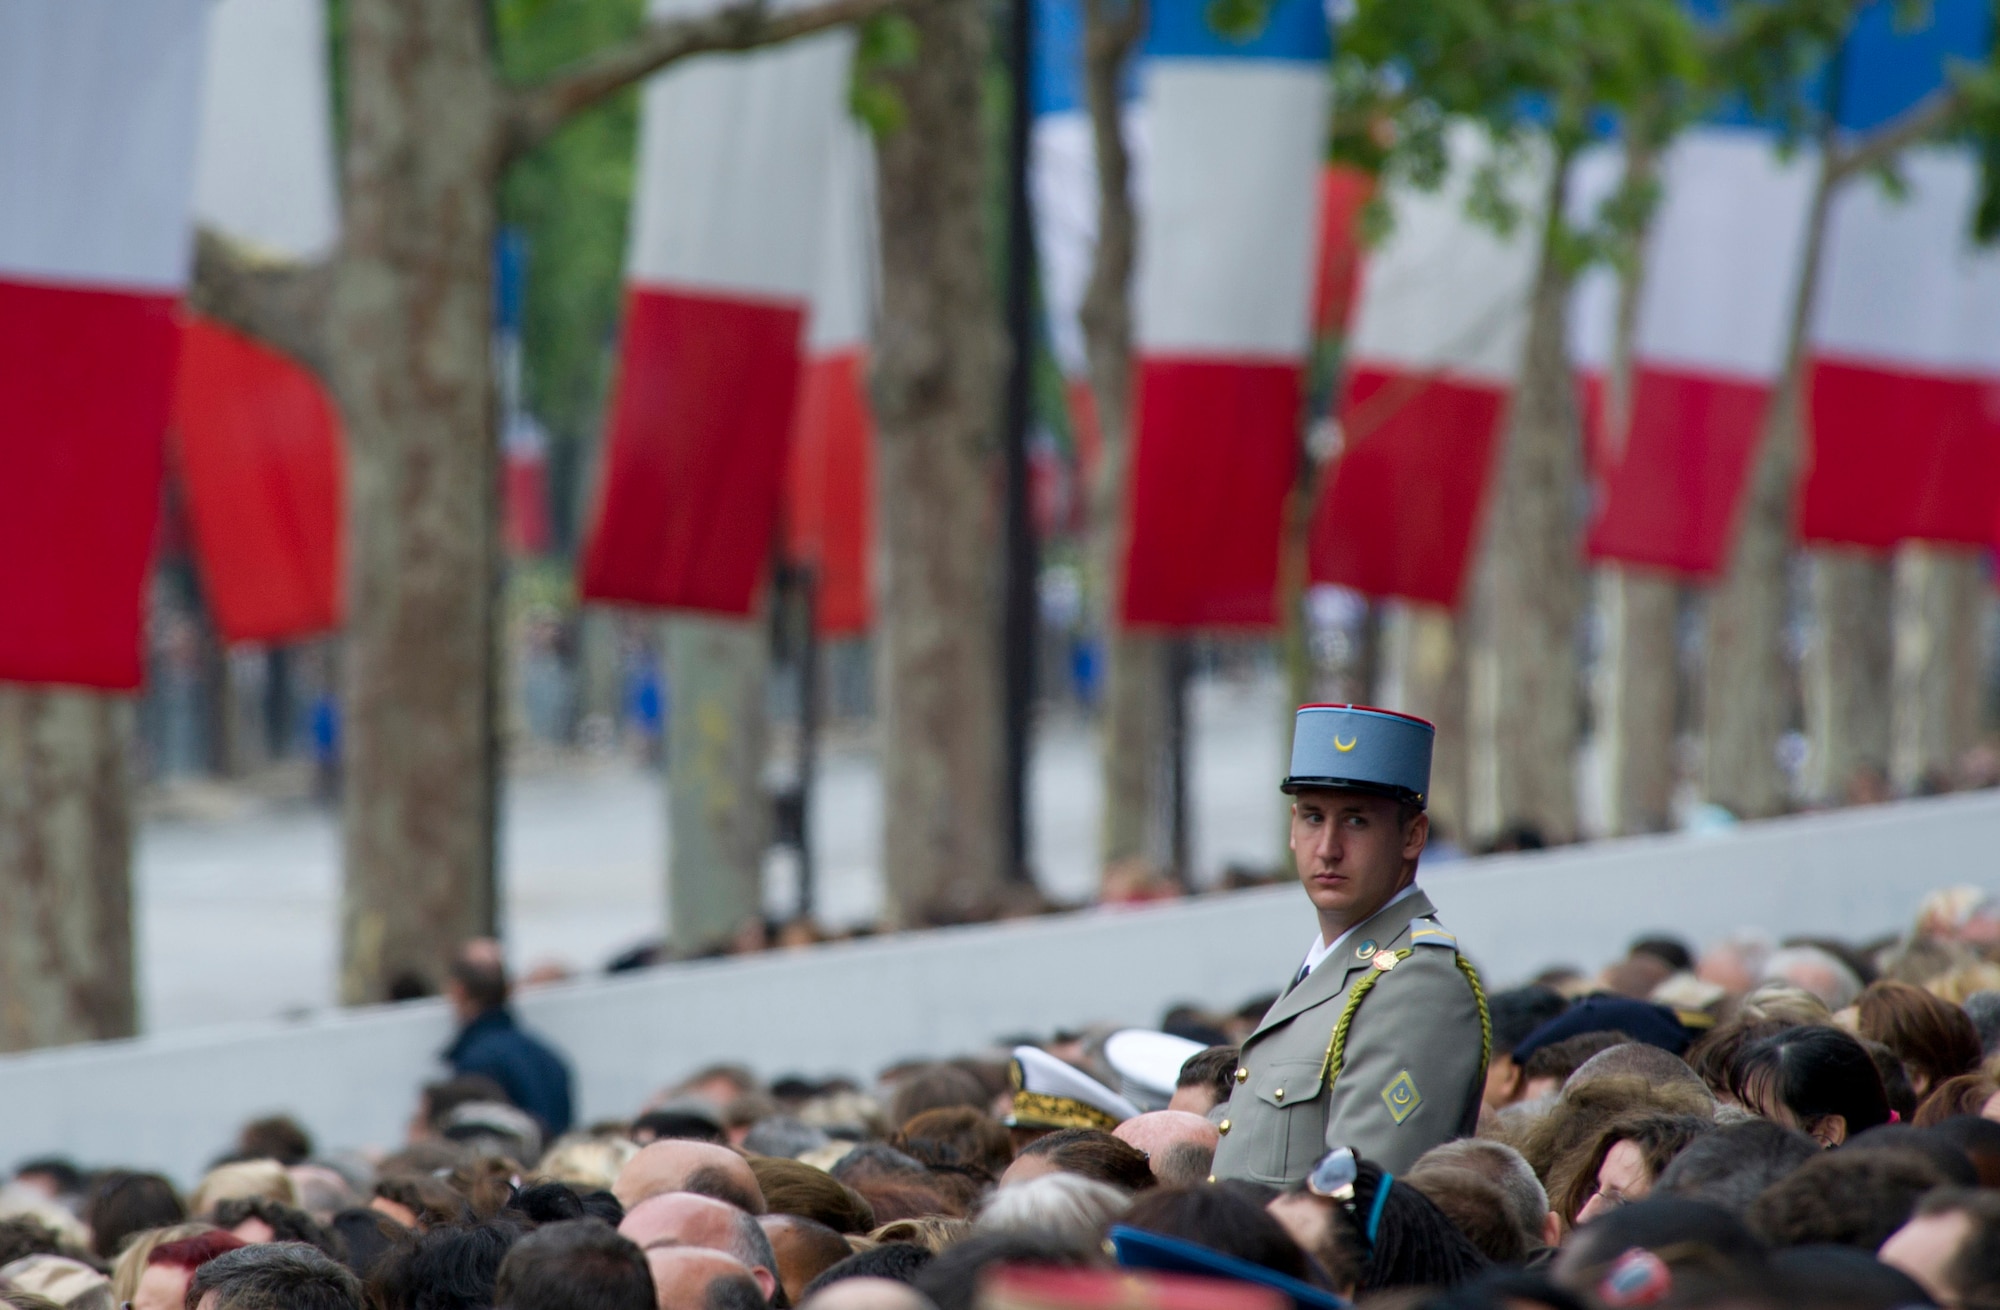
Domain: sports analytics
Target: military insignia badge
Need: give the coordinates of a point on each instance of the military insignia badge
(1401, 1096)
(1366, 950)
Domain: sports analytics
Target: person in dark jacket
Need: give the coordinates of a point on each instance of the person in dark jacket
(490, 1042)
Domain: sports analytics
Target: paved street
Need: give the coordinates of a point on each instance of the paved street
(238, 912)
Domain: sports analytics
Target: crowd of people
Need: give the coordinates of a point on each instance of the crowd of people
(1754, 1124)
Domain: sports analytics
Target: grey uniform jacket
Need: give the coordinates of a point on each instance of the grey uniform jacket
(1407, 1075)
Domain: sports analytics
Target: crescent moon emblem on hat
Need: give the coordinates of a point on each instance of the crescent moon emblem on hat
(1345, 746)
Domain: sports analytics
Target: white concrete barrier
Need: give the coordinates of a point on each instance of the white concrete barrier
(174, 1102)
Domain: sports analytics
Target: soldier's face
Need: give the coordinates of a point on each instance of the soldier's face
(1352, 852)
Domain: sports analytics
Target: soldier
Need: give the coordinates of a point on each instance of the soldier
(1381, 1039)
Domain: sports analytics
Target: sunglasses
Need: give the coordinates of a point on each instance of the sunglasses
(1334, 1178)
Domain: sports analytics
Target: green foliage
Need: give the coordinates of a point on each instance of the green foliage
(571, 197)
(1241, 21)
(885, 42)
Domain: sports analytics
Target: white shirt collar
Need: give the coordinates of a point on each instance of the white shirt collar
(1321, 948)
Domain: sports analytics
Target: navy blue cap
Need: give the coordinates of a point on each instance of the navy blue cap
(1355, 748)
(1642, 1021)
(1138, 1249)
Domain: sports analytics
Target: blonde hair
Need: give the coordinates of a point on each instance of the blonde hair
(588, 1163)
(138, 1249)
(227, 1182)
(934, 1232)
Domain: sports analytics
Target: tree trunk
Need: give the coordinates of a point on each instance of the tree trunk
(1134, 739)
(66, 825)
(1637, 677)
(1940, 636)
(411, 322)
(1745, 698)
(1523, 699)
(1847, 671)
(1423, 673)
(719, 818)
(937, 371)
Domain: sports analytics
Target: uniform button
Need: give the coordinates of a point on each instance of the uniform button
(1211, 1178)
(1278, 1095)
(1223, 1128)
(1242, 1075)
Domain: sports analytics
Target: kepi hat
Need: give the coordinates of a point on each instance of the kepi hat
(1356, 748)
(1049, 1093)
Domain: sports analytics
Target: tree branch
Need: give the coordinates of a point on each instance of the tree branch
(533, 113)
(284, 305)
(1928, 117)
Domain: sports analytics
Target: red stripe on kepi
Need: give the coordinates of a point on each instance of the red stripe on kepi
(86, 379)
(1671, 501)
(1900, 455)
(1218, 443)
(1400, 511)
(261, 459)
(830, 495)
(694, 473)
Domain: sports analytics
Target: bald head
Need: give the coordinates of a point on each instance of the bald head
(695, 1278)
(684, 1219)
(870, 1294)
(804, 1249)
(679, 1165)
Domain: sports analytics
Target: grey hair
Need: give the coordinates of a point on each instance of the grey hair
(1838, 987)
(1069, 1206)
(1507, 1169)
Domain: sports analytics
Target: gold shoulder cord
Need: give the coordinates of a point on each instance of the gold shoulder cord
(1336, 1049)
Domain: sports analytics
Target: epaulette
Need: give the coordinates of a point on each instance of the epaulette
(1426, 932)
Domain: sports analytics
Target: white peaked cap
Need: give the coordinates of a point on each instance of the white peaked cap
(1049, 1093)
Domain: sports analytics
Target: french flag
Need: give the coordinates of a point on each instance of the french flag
(256, 438)
(830, 485)
(1228, 205)
(1724, 259)
(1436, 343)
(734, 153)
(99, 106)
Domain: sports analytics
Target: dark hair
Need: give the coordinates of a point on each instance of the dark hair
(24, 1235)
(719, 1184)
(1559, 1060)
(601, 1204)
(1220, 1220)
(1670, 951)
(449, 1268)
(891, 1199)
(1476, 1207)
(547, 1203)
(431, 1200)
(1954, 1098)
(1934, 1039)
(1415, 1243)
(1663, 1223)
(953, 1279)
(957, 1139)
(1840, 1278)
(123, 1203)
(683, 1125)
(1518, 1011)
(574, 1264)
(276, 1137)
(1502, 1289)
(733, 1292)
(276, 1276)
(898, 1261)
(1814, 1072)
(484, 981)
(287, 1223)
(814, 1244)
(1658, 1137)
(1896, 1086)
(790, 1187)
(1855, 1197)
(1946, 1155)
(368, 1234)
(875, 1160)
(1716, 1053)
(58, 1169)
(1730, 1167)
(936, 1087)
(1214, 1068)
(1096, 1154)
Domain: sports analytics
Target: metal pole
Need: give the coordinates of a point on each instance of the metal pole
(1022, 565)
(1179, 663)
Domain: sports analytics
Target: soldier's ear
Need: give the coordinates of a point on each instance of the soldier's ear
(1415, 834)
